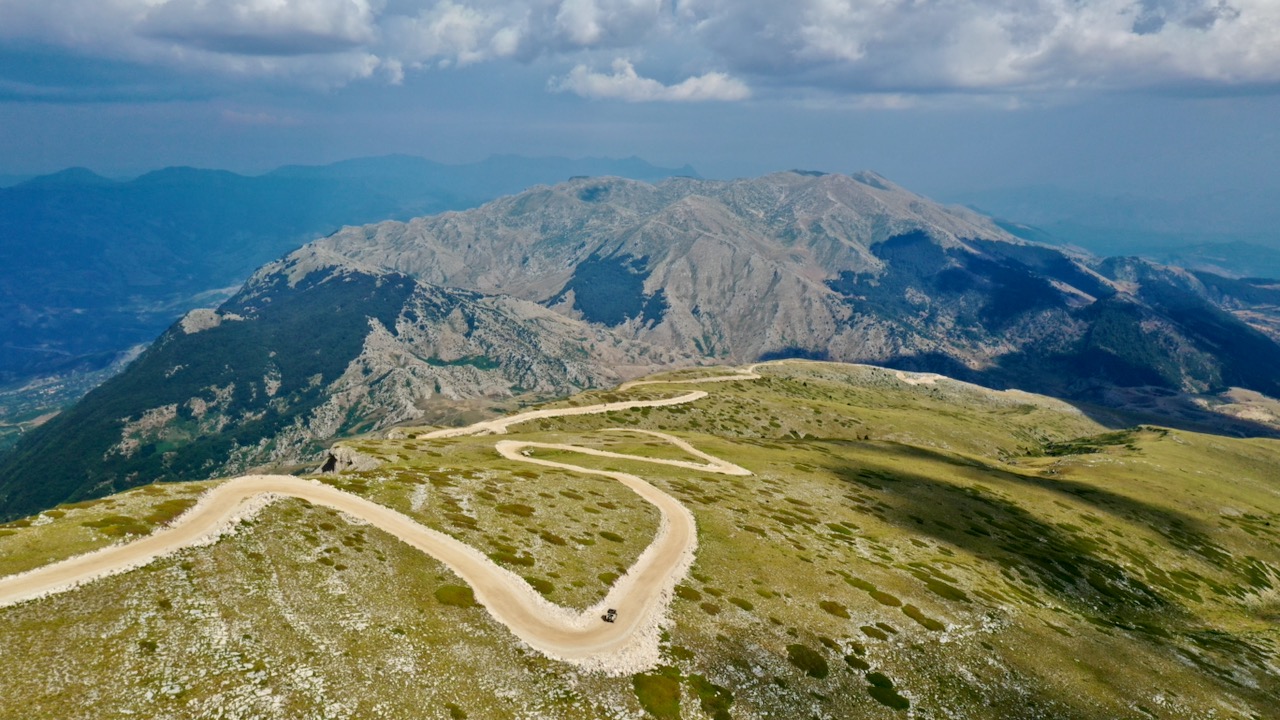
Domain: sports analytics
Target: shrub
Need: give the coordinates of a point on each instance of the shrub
(456, 596)
(834, 608)
(808, 660)
(165, 512)
(118, 526)
(543, 586)
(659, 693)
(684, 592)
(715, 700)
(885, 598)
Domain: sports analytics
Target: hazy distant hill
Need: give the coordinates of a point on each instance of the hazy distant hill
(1232, 233)
(596, 279)
(93, 266)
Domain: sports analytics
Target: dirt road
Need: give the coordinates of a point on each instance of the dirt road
(641, 596)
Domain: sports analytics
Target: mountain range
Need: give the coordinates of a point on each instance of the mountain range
(596, 280)
(96, 266)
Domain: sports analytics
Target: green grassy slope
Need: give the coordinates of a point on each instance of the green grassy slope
(931, 550)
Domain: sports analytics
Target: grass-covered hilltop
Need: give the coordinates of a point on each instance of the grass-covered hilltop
(906, 546)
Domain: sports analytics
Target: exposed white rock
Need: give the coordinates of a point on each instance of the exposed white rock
(202, 319)
(342, 458)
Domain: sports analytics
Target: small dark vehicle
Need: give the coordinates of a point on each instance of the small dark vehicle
(610, 616)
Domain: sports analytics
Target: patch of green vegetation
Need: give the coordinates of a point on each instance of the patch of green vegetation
(929, 623)
(883, 691)
(874, 632)
(885, 598)
(860, 583)
(659, 693)
(1090, 444)
(546, 587)
(834, 608)
(119, 526)
(943, 590)
(505, 557)
(808, 660)
(456, 596)
(165, 512)
(714, 700)
(684, 592)
(856, 662)
(550, 537)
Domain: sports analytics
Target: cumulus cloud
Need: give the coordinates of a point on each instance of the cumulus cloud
(624, 83)
(607, 23)
(453, 33)
(876, 47)
(263, 27)
(319, 43)
(867, 45)
(464, 32)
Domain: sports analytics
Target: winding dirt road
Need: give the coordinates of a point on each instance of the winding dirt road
(641, 596)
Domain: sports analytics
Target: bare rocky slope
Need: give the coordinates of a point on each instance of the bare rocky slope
(600, 279)
(850, 268)
(95, 268)
(306, 352)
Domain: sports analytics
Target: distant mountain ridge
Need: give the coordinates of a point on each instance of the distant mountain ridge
(1227, 233)
(595, 280)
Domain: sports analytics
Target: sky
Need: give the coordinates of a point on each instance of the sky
(1163, 98)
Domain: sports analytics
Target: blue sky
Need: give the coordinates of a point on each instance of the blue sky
(1152, 97)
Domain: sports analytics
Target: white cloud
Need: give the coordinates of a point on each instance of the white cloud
(263, 27)
(624, 83)
(578, 20)
(875, 47)
(603, 23)
(316, 43)
(464, 32)
(455, 33)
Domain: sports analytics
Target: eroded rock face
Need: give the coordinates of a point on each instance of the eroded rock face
(730, 270)
(342, 459)
(322, 349)
(202, 319)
